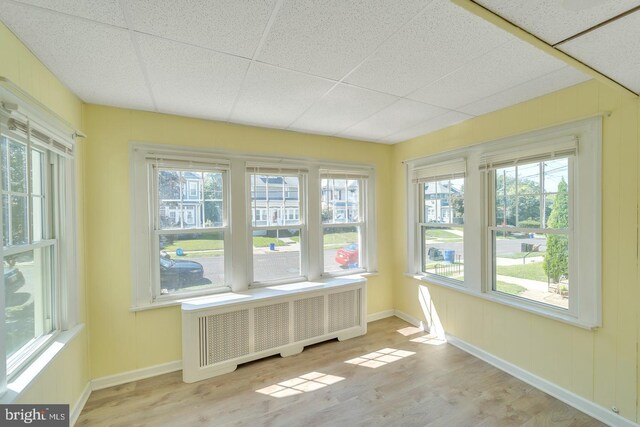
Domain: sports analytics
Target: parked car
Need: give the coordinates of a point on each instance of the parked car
(175, 274)
(13, 279)
(348, 256)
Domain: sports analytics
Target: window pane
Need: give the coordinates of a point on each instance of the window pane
(38, 218)
(37, 172)
(456, 201)
(190, 199)
(444, 201)
(17, 163)
(19, 220)
(4, 158)
(276, 255)
(529, 211)
(191, 262)
(533, 266)
(5, 221)
(341, 248)
(28, 302)
(443, 251)
(529, 179)
(340, 200)
(277, 197)
(213, 194)
(555, 171)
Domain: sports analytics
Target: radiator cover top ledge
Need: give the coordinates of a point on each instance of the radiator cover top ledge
(220, 332)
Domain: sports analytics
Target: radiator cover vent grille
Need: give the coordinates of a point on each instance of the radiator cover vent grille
(344, 310)
(227, 336)
(221, 332)
(271, 326)
(308, 318)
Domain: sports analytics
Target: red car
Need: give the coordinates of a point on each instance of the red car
(348, 257)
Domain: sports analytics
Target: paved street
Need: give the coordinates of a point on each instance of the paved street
(269, 265)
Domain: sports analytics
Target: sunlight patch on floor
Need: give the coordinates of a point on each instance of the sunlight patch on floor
(409, 330)
(430, 340)
(380, 357)
(302, 384)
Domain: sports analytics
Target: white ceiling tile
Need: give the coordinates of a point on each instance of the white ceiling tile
(275, 97)
(506, 66)
(229, 26)
(437, 43)
(329, 37)
(553, 20)
(191, 81)
(106, 11)
(341, 108)
(556, 80)
(612, 49)
(400, 115)
(440, 122)
(97, 62)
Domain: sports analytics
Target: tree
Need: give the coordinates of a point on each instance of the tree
(556, 260)
(213, 199)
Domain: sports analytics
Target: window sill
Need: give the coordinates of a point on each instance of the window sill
(166, 302)
(291, 288)
(549, 313)
(29, 375)
(253, 295)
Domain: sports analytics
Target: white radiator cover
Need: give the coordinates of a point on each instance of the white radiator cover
(222, 331)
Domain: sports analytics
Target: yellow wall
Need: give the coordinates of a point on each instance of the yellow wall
(599, 365)
(121, 340)
(65, 378)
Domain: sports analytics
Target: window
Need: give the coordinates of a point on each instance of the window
(441, 219)
(206, 222)
(512, 219)
(191, 251)
(343, 221)
(181, 226)
(276, 243)
(37, 214)
(531, 225)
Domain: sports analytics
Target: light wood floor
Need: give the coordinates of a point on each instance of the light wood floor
(421, 384)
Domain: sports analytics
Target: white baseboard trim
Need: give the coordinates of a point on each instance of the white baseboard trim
(380, 315)
(588, 407)
(135, 375)
(79, 405)
(410, 319)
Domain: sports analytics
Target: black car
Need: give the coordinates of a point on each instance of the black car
(13, 279)
(176, 274)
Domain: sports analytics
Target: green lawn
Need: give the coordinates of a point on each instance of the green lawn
(195, 245)
(263, 242)
(531, 271)
(443, 234)
(336, 240)
(520, 255)
(509, 288)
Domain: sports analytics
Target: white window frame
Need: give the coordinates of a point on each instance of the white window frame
(24, 119)
(145, 163)
(434, 172)
(238, 241)
(585, 199)
(365, 216)
(279, 171)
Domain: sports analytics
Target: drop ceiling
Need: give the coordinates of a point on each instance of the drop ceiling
(373, 70)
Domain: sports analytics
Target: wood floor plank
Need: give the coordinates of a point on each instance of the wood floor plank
(408, 384)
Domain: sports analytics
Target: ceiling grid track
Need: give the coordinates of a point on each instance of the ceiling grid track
(256, 52)
(480, 10)
(382, 42)
(136, 47)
